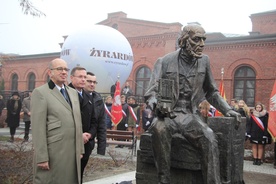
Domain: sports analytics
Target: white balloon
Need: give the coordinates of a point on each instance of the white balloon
(103, 51)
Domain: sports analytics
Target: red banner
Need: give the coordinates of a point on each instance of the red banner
(116, 109)
(222, 93)
(272, 113)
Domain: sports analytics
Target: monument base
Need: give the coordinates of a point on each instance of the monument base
(185, 159)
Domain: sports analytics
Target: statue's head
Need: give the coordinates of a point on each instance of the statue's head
(192, 40)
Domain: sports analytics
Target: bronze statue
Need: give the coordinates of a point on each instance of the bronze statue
(189, 80)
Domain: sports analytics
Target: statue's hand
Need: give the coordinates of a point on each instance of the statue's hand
(152, 103)
(160, 114)
(232, 113)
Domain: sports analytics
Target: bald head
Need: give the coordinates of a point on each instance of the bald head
(58, 71)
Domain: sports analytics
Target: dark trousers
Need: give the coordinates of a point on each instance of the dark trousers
(27, 129)
(197, 133)
(88, 150)
(12, 130)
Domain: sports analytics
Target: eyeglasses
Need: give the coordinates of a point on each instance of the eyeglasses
(90, 81)
(60, 69)
(80, 76)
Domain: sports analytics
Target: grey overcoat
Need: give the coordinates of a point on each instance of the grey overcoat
(57, 135)
(26, 107)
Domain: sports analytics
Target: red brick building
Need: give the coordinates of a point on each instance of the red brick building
(249, 62)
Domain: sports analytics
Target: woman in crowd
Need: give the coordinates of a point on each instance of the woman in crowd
(2, 104)
(243, 109)
(147, 116)
(108, 105)
(256, 130)
(14, 105)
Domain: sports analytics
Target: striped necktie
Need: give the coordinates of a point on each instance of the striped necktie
(62, 90)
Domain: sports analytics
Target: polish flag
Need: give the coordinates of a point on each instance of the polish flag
(272, 113)
(116, 109)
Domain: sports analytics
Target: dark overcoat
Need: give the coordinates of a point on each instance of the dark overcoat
(13, 115)
(100, 120)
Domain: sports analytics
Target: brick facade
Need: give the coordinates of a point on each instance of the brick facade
(150, 40)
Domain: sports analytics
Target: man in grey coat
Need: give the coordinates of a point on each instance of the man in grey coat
(26, 107)
(187, 72)
(56, 129)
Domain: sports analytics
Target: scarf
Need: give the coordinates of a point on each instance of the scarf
(259, 114)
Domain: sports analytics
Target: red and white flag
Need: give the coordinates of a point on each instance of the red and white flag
(222, 93)
(272, 113)
(116, 109)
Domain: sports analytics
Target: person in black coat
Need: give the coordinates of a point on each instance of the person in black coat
(123, 123)
(14, 105)
(2, 104)
(147, 116)
(90, 85)
(243, 109)
(256, 130)
(108, 104)
(89, 126)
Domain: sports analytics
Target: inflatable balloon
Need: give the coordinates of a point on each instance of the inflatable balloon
(103, 51)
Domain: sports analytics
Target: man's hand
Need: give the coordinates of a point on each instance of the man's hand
(43, 165)
(232, 113)
(86, 136)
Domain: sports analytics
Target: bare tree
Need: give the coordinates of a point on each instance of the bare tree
(28, 8)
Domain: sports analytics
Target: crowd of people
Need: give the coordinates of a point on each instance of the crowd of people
(66, 120)
(256, 126)
(64, 131)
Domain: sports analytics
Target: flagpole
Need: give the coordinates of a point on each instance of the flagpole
(222, 72)
(221, 91)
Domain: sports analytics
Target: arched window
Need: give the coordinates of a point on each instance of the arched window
(142, 80)
(31, 81)
(244, 85)
(115, 26)
(14, 84)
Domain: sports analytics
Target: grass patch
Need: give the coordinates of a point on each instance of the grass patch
(4, 138)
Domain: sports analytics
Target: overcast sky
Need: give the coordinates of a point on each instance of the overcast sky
(24, 34)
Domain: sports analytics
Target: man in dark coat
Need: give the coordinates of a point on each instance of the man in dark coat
(14, 105)
(127, 91)
(89, 126)
(188, 73)
(91, 82)
(123, 123)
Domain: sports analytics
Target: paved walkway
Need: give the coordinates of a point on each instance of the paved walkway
(266, 168)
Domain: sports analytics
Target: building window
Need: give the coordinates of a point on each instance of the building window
(115, 26)
(14, 84)
(244, 85)
(142, 80)
(31, 82)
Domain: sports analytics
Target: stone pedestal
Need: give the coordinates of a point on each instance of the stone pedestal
(185, 159)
